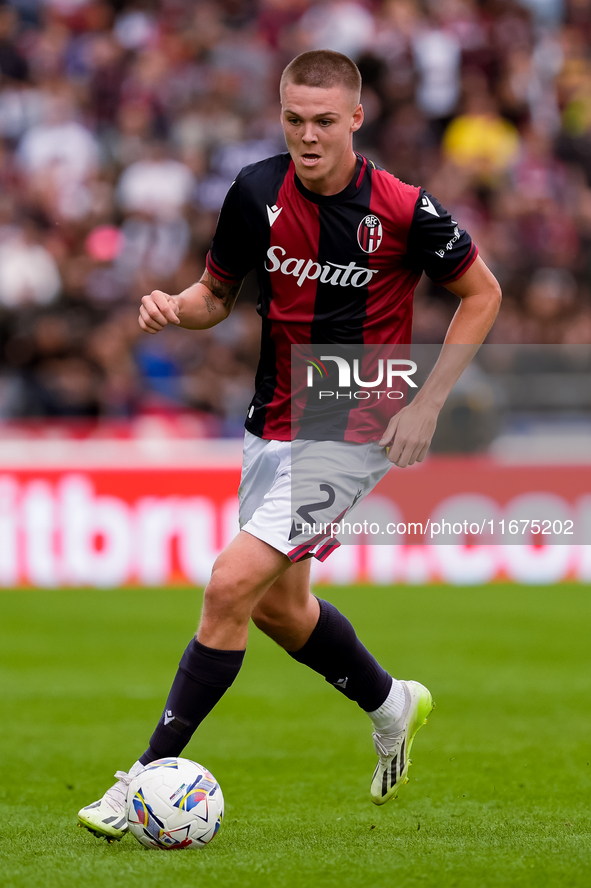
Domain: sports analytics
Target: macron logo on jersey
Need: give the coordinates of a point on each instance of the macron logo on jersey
(428, 207)
(273, 214)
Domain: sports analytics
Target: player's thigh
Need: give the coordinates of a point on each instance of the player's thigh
(243, 572)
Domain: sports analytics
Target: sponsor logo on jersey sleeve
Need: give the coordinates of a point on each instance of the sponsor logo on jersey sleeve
(450, 244)
(369, 233)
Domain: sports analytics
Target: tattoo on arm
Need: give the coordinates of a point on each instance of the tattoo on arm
(225, 293)
(209, 302)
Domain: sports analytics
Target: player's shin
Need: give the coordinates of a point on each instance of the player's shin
(203, 677)
(334, 651)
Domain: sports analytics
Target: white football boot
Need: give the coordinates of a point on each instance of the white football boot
(106, 818)
(393, 745)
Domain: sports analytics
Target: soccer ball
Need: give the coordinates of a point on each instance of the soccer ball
(174, 803)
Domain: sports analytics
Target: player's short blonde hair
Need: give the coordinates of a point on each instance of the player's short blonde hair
(323, 68)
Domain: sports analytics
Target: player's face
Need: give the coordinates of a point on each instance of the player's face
(319, 126)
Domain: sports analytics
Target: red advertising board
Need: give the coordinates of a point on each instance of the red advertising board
(157, 524)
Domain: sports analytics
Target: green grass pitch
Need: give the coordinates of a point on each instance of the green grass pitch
(499, 791)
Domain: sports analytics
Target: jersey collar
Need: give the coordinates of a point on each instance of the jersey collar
(326, 200)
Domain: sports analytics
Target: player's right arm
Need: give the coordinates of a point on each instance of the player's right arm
(199, 307)
(206, 303)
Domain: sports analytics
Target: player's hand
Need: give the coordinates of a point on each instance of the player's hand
(157, 310)
(410, 432)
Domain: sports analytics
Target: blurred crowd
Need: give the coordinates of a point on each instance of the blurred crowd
(123, 123)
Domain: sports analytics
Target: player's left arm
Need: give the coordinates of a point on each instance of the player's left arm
(411, 430)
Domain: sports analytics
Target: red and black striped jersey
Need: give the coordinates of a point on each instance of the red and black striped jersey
(337, 269)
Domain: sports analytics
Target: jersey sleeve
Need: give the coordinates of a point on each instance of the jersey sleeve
(436, 245)
(231, 255)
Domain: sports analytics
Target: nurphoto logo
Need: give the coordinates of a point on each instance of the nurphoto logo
(387, 372)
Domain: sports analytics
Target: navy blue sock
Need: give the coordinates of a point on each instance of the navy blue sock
(203, 677)
(334, 651)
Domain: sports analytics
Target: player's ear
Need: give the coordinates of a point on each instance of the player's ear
(357, 118)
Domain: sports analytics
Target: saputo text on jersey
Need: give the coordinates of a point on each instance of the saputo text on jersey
(350, 275)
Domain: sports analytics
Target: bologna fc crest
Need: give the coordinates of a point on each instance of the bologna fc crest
(369, 234)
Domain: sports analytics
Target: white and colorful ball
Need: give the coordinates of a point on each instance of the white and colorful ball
(173, 804)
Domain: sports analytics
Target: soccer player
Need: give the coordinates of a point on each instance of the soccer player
(339, 246)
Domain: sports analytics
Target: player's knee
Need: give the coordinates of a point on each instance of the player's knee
(270, 619)
(227, 591)
(261, 619)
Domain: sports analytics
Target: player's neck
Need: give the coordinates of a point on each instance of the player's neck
(336, 181)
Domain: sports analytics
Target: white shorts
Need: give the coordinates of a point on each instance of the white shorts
(292, 491)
